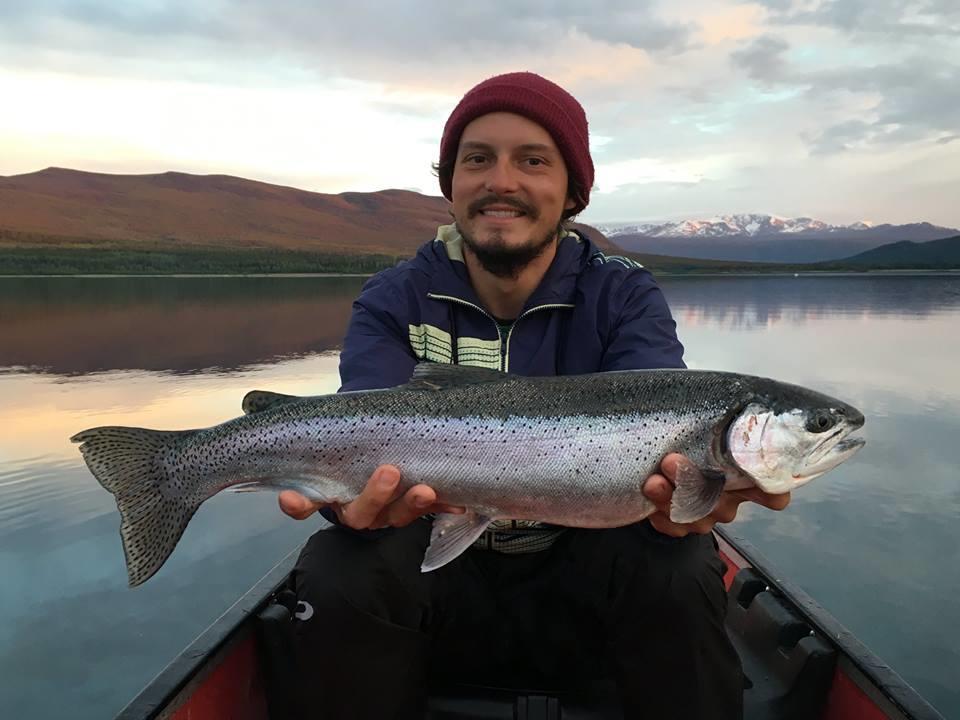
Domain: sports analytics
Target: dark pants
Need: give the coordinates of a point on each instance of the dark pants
(621, 603)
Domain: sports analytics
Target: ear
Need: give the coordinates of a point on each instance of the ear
(570, 203)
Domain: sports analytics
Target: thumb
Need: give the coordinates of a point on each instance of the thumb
(296, 505)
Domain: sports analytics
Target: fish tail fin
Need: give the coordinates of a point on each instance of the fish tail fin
(696, 494)
(126, 462)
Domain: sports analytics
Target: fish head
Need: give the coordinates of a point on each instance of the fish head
(784, 440)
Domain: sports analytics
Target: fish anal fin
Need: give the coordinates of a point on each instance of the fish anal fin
(450, 536)
(438, 376)
(696, 493)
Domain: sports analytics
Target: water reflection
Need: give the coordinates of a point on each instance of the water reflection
(77, 642)
(73, 326)
(876, 541)
(762, 302)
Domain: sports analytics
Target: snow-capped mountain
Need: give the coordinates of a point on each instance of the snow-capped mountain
(740, 225)
(765, 238)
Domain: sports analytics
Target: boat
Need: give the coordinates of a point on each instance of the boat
(800, 663)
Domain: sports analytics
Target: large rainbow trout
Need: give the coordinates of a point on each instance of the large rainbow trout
(572, 450)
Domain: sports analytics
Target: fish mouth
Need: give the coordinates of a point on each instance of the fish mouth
(838, 447)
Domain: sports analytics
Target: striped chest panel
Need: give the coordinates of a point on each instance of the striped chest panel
(433, 344)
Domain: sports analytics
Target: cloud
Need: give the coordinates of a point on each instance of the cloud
(421, 41)
(889, 17)
(842, 136)
(708, 105)
(915, 100)
(762, 58)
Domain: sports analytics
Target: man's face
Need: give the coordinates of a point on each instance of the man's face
(509, 190)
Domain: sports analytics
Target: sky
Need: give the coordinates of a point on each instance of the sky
(841, 110)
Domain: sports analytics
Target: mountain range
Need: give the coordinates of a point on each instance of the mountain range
(65, 208)
(765, 238)
(60, 220)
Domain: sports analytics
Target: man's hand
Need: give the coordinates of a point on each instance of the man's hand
(659, 488)
(380, 504)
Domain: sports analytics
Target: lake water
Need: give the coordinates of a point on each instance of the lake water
(877, 541)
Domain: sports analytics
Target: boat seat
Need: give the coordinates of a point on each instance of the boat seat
(789, 670)
(476, 702)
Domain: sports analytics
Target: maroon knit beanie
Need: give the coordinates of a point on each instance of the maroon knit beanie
(538, 99)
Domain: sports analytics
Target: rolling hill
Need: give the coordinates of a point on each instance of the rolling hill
(61, 208)
(65, 209)
(943, 253)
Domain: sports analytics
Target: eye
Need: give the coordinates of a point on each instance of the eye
(475, 159)
(820, 422)
(534, 161)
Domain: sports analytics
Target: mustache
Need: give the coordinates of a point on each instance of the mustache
(481, 203)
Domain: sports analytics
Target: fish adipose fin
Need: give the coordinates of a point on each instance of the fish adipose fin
(437, 376)
(259, 400)
(126, 462)
(696, 493)
(451, 535)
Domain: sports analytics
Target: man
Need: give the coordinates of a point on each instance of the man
(507, 286)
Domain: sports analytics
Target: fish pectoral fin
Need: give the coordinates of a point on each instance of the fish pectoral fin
(450, 536)
(696, 493)
(437, 376)
(248, 487)
(259, 400)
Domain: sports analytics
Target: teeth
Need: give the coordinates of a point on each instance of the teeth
(503, 213)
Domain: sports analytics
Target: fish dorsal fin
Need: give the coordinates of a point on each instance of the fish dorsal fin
(437, 376)
(259, 400)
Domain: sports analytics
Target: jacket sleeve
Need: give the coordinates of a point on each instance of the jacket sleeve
(376, 350)
(645, 334)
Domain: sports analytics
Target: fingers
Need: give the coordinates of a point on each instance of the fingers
(415, 502)
(381, 504)
(726, 509)
(663, 524)
(296, 505)
(778, 501)
(671, 465)
(381, 489)
(659, 490)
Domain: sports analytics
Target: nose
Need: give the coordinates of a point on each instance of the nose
(501, 178)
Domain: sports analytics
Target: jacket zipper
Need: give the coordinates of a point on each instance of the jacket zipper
(504, 356)
(552, 306)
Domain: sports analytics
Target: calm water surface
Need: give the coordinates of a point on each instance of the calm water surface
(877, 541)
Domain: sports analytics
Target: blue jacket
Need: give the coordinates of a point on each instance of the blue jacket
(590, 313)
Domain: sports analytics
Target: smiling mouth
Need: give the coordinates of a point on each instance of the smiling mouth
(502, 214)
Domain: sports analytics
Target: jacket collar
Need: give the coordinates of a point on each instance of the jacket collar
(558, 286)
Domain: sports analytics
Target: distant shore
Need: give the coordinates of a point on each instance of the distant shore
(658, 273)
(262, 262)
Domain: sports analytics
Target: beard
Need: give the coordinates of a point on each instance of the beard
(503, 261)
(495, 256)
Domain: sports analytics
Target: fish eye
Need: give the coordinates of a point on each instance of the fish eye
(820, 422)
